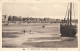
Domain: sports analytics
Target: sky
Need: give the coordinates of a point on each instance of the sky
(37, 9)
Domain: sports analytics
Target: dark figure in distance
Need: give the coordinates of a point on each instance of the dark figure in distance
(43, 26)
(30, 31)
(24, 31)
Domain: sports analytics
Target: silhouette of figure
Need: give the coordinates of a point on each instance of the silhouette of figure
(30, 31)
(24, 31)
(43, 26)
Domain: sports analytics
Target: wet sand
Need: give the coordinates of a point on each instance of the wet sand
(48, 37)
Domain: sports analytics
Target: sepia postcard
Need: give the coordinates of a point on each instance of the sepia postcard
(31, 25)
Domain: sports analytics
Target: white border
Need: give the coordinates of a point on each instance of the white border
(38, 49)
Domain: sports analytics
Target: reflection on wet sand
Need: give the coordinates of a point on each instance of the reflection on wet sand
(48, 37)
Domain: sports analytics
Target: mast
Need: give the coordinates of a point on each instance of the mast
(68, 18)
(70, 13)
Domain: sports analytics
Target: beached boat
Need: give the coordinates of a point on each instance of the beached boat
(66, 26)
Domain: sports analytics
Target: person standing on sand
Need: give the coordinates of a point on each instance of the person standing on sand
(30, 31)
(24, 31)
(43, 26)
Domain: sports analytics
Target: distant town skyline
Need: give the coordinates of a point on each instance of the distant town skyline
(38, 9)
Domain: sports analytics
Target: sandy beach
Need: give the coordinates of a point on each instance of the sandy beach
(36, 36)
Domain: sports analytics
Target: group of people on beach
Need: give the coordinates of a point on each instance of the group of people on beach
(30, 30)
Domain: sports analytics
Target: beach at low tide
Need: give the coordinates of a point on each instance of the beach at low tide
(36, 36)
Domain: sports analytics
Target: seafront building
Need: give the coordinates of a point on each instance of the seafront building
(18, 19)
